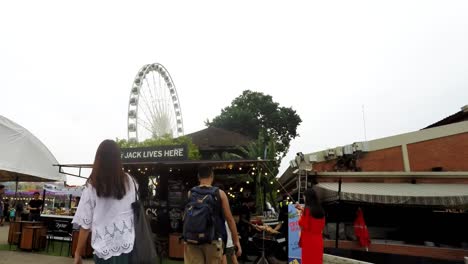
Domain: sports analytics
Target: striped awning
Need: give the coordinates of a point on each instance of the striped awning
(445, 195)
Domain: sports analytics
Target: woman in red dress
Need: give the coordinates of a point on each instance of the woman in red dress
(312, 223)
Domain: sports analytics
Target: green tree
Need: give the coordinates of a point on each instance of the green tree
(193, 152)
(266, 175)
(255, 113)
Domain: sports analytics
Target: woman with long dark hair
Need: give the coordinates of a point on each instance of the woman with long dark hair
(312, 223)
(105, 209)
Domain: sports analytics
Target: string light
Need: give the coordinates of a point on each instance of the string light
(146, 169)
(278, 191)
(241, 189)
(240, 168)
(230, 188)
(253, 173)
(271, 182)
(247, 182)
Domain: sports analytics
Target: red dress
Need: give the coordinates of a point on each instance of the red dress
(311, 240)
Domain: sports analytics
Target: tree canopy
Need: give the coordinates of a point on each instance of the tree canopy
(254, 114)
(193, 152)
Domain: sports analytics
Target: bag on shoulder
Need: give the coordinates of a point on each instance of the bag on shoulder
(199, 216)
(143, 248)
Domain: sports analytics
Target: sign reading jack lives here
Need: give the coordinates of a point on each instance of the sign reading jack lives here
(155, 154)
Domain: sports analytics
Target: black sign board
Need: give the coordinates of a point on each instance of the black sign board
(159, 153)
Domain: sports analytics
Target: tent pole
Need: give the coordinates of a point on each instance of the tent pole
(338, 215)
(69, 204)
(16, 190)
(43, 200)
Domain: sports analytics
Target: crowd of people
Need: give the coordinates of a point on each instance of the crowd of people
(15, 212)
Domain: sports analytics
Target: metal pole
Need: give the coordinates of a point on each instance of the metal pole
(69, 204)
(338, 215)
(43, 200)
(16, 191)
(299, 186)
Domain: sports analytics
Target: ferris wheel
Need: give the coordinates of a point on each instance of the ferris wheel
(154, 108)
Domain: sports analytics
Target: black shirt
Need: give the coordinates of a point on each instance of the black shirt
(244, 217)
(283, 217)
(35, 204)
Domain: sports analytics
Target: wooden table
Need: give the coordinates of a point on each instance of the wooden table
(33, 237)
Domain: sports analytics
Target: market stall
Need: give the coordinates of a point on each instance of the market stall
(165, 175)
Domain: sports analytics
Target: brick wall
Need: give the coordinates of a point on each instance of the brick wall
(450, 153)
(390, 159)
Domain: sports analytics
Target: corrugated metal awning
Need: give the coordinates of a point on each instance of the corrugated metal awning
(446, 195)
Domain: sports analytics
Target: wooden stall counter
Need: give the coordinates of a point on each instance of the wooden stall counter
(176, 246)
(16, 230)
(33, 238)
(88, 250)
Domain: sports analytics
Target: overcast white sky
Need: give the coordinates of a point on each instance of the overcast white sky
(66, 68)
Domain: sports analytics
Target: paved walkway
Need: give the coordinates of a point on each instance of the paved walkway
(9, 257)
(13, 257)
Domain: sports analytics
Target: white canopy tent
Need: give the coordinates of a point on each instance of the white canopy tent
(23, 157)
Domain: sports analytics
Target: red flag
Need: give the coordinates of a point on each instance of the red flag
(360, 229)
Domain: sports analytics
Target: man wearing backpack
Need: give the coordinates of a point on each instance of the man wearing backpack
(204, 222)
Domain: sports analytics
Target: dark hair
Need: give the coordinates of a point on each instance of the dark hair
(107, 176)
(2, 186)
(36, 193)
(312, 202)
(204, 172)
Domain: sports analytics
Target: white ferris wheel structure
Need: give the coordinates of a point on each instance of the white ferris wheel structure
(154, 108)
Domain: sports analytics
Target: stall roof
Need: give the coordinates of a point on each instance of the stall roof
(213, 138)
(24, 157)
(174, 163)
(442, 195)
(218, 164)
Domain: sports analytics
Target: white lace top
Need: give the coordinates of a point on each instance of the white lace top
(110, 221)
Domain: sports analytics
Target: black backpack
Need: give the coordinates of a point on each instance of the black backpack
(200, 216)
